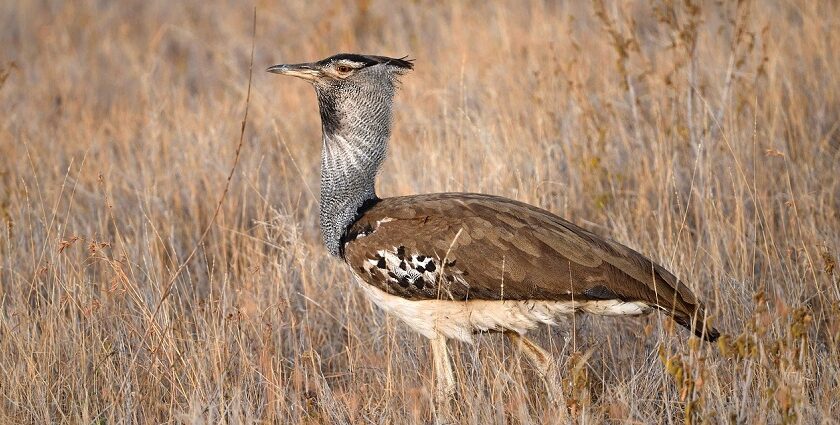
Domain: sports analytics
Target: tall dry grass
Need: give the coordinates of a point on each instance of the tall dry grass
(704, 134)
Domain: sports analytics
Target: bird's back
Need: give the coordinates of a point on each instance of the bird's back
(463, 246)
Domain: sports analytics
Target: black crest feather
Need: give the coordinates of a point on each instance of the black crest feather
(370, 60)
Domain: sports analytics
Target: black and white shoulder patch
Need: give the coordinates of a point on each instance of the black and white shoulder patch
(412, 273)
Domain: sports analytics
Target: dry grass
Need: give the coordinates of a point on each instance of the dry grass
(707, 136)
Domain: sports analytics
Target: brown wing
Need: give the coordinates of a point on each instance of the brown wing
(464, 246)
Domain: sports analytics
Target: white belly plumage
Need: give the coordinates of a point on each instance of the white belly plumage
(460, 319)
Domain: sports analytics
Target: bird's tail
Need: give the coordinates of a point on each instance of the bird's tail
(683, 306)
(697, 324)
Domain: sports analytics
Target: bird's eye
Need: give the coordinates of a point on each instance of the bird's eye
(343, 69)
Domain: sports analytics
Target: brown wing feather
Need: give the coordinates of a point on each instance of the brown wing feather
(493, 248)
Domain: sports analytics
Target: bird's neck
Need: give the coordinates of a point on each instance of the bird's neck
(356, 123)
(350, 158)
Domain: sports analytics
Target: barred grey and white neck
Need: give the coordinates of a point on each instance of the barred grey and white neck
(355, 96)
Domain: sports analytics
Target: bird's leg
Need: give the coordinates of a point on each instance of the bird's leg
(541, 360)
(445, 378)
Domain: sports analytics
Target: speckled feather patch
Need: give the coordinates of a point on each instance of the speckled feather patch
(404, 269)
(414, 273)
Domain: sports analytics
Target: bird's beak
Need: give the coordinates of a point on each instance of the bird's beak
(307, 71)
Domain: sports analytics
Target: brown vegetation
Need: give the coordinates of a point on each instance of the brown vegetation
(705, 135)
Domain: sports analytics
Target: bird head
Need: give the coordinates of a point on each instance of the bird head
(346, 70)
(351, 88)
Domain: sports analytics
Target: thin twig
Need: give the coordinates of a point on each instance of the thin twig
(168, 290)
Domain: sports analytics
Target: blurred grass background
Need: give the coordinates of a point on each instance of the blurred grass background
(705, 134)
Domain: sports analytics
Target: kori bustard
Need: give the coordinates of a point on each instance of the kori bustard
(454, 264)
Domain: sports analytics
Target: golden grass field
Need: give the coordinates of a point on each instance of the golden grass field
(704, 135)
